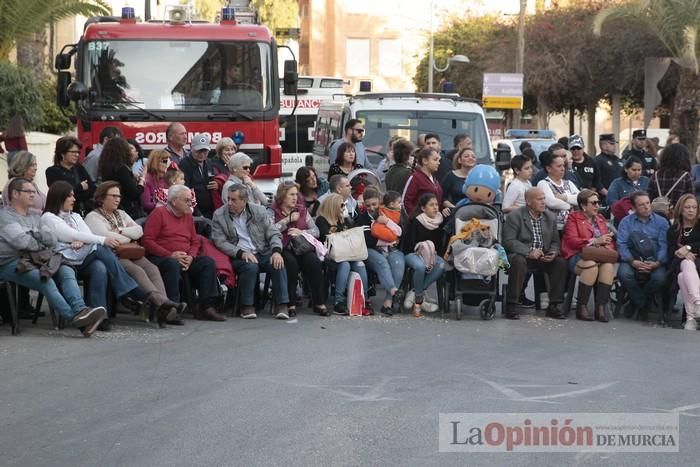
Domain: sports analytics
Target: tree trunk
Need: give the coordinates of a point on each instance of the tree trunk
(31, 54)
(685, 115)
(572, 120)
(590, 110)
(542, 113)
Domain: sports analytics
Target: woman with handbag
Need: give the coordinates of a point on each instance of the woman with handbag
(295, 222)
(424, 226)
(108, 221)
(330, 221)
(683, 247)
(92, 257)
(589, 248)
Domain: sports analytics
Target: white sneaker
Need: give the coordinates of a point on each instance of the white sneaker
(544, 300)
(428, 307)
(410, 299)
(691, 325)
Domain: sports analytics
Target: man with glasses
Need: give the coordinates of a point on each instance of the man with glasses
(247, 234)
(173, 245)
(341, 185)
(354, 134)
(199, 174)
(638, 148)
(23, 240)
(583, 165)
(607, 163)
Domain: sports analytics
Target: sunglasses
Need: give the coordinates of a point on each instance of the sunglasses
(594, 203)
(164, 161)
(247, 167)
(359, 130)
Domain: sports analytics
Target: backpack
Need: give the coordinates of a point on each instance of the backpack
(661, 204)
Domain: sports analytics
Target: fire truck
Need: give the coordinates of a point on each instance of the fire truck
(216, 78)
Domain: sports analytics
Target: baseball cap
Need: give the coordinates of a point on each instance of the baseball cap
(575, 141)
(200, 141)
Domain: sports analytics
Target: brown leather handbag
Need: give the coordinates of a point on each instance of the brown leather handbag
(599, 254)
(130, 250)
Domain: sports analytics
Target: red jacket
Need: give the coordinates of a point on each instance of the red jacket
(417, 185)
(164, 234)
(578, 232)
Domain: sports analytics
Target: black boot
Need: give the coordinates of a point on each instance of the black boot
(584, 293)
(602, 297)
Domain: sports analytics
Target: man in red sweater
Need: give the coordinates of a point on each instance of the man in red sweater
(172, 244)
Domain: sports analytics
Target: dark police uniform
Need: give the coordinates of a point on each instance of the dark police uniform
(587, 173)
(649, 162)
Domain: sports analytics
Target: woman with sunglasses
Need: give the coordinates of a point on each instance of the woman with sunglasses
(587, 228)
(156, 167)
(240, 166)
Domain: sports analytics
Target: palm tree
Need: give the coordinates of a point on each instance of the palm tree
(26, 20)
(676, 23)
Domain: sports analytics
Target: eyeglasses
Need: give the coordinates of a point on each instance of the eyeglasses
(359, 130)
(247, 167)
(187, 200)
(114, 196)
(28, 191)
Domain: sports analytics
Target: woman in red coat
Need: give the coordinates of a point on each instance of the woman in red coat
(588, 228)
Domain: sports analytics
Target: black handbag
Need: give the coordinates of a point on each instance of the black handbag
(299, 246)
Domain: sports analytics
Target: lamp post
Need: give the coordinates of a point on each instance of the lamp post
(431, 55)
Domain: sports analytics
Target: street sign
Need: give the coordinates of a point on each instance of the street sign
(503, 91)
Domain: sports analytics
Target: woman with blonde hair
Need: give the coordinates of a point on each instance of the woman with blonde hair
(330, 220)
(225, 149)
(683, 246)
(156, 167)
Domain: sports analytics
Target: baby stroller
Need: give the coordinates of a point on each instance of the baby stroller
(360, 179)
(475, 258)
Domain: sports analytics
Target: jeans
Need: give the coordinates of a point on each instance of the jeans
(67, 302)
(100, 268)
(421, 278)
(248, 279)
(641, 296)
(342, 275)
(389, 268)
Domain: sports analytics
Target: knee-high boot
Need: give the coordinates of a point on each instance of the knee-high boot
(584, 293)
(602, 297)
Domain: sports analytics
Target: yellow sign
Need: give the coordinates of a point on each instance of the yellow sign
(503, 102)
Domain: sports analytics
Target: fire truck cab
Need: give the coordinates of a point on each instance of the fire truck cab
(221, 79)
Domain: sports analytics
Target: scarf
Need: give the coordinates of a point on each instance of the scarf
(115, 219)
(430, 223)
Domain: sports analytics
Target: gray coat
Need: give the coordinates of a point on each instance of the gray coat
(266, 237)
(20, 234)
(517, 232)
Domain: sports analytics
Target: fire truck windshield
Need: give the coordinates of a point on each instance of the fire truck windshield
(164, 75)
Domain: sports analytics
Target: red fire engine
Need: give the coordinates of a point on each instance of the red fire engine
(221, 79)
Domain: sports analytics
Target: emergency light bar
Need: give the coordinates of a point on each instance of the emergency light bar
(524, 133)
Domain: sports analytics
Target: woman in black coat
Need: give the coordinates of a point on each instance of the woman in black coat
(66, 167)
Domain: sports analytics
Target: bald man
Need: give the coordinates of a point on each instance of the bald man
(531, 239)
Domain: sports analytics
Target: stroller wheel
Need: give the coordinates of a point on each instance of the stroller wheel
(487, 309)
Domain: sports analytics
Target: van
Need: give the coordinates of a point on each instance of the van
(405, 114)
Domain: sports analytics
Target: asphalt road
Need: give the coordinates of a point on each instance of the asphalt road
(328, 391)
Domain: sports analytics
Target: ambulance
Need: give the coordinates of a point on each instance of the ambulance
(297, 124)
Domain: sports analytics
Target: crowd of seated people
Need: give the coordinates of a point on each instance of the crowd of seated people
(133, 237)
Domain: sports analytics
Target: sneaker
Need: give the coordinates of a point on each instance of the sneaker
(410, 299)
(282, 312)
(691, 325)
(340, 309)
(386, 311)
(429, 307)
(248, 312)
(526, 302)
(89, 319)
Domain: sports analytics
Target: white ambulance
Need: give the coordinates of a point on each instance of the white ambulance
(297, 130)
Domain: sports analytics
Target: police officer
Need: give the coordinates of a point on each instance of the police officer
(638, 149)
(608, 165)
(583, 165)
